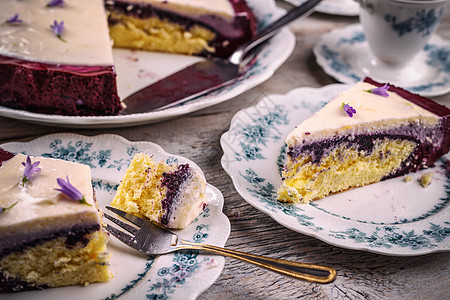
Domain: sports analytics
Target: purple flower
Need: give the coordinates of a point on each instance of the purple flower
(55, 3)
(381, 91)
(58, 29)
(30, 169)
(4, 209)
(14, 19)
(348, 109)
(70, 191)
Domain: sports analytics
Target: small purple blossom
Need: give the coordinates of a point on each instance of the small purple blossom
(56, 3)
(14, 19)
(4, 209)
(381, 91)
(30, 169)
(70, 191)
(58, 29)
(348, 109)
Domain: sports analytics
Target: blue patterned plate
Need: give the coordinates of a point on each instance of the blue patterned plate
(137, 69)
(181, 275)
(344, 54)
(392, 217)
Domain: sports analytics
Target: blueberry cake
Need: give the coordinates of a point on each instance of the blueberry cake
(368, 133)
(171, 195)
(48, 239)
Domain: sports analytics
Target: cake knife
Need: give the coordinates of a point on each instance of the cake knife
(208, 75)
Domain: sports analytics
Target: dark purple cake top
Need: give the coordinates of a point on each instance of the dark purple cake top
(5, 155)
(425, 103)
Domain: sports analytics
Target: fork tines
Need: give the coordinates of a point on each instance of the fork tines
(121, 235)
(129, 217)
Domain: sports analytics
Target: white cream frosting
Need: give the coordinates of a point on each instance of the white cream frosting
(86, 32)
(372, 111)
(39, 207)
(191, 201)
(219, 7)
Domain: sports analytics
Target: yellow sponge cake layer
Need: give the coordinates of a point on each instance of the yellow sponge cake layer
(342, 169)
(53, 264)
(154, 34)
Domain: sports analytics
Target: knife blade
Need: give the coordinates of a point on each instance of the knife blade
(205, 76)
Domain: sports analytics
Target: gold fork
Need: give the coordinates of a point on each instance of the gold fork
(149, 238)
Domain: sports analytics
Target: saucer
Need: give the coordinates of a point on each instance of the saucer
(333, 7)
(344, 54)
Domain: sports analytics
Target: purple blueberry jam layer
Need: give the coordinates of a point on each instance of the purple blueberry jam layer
(75, 236)
(55, 89)
(229, 35)
(173, 181)
(428, 140)
(11, 285)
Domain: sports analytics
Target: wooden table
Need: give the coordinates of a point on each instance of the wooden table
(196, 136)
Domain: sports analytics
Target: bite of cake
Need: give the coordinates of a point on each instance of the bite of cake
(170, 195)
(47, 237)
(368, 133)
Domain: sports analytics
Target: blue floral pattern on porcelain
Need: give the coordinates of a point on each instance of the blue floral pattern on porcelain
(422, 23)
(335, 54)
(159, 277)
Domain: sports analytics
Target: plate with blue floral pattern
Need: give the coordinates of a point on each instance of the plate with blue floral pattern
(138, 69)
(180, 275)
(334, 7)
(344, 54)
(393, 217)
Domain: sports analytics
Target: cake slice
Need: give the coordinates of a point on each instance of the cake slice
(46, 238)
(368, 133)
(171, 195)
(198, 27)
(68, 70)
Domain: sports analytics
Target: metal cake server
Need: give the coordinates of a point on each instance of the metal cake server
(205, 76)
(149, 238)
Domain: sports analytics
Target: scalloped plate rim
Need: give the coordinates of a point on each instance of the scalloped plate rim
(285, 220)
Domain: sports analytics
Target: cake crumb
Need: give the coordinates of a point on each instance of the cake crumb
(425, 179)
(407, 178)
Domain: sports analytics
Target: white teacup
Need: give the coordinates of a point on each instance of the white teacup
(397, 30)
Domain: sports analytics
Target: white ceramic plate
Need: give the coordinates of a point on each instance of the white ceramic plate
(334, 7)
(392, 217)
(180, 275)
(344, 54)
(137, 69)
